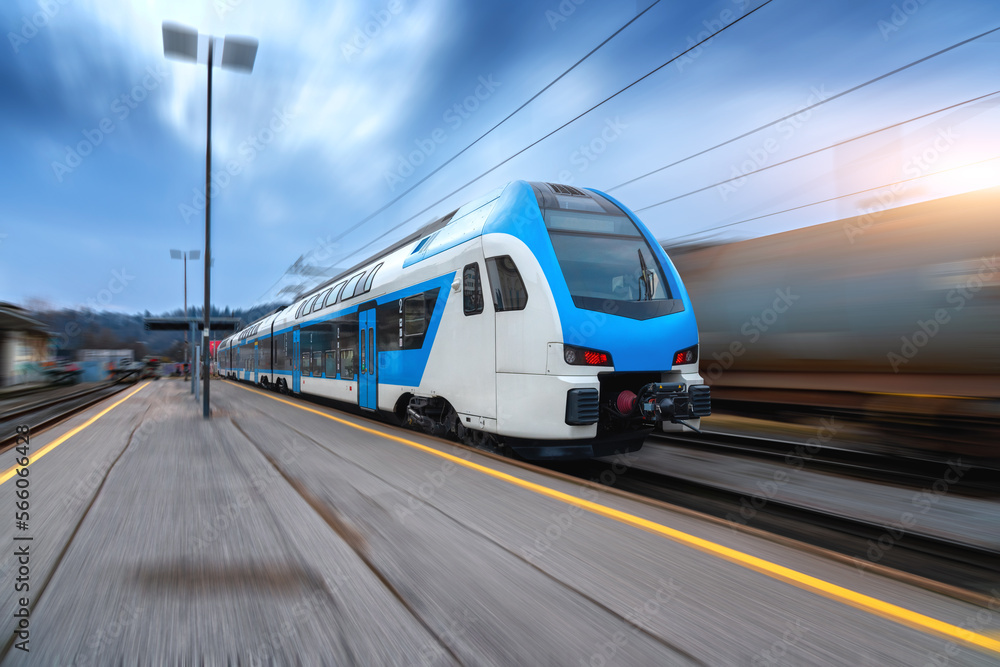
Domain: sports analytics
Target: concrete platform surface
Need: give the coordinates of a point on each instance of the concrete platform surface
(281, 532)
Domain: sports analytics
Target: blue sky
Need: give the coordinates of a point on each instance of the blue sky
(349, 104)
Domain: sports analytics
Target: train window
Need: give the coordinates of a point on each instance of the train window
(330, 356)
(347, 369)
(298, 313)
(604, 256)
(331, 298)
(371, 351)
(321, 299)
(317, 364)
(371, 277)
(473, 290)
(364, 356)
(414, 316)
(305, 363)
(350, 286)
(309, 305)
(506, 285)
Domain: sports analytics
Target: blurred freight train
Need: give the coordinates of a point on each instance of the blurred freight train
(892, 318)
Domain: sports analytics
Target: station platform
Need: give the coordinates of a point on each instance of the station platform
(283, 532)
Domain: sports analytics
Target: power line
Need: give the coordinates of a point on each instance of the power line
(486, 133)
(852, 194)
(801, 111)
(818, 150)
(567, 123)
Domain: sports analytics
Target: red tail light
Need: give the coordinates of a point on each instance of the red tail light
(688, 355)
(578, 356)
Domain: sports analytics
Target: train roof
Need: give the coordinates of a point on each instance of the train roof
(544, 190)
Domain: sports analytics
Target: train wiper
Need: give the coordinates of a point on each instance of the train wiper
(646, 282)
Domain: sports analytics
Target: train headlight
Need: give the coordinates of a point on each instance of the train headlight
(688, 355)
(578, 356)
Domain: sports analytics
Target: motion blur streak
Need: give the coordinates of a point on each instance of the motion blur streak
(805, 582)
(66, 436)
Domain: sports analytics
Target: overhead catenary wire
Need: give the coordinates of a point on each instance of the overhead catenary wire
(805, 109)
(531, 99)
(564, 125)
(818, 150)
(830, 199)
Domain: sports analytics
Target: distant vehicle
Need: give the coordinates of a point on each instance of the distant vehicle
(150, 368)
(540, 318)
(130, 370)
(62, 372)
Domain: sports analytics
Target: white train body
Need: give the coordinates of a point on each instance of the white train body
(490, 325)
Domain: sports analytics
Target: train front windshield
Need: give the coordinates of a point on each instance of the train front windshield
(603, 255)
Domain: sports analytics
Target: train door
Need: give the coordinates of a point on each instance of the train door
(256, 363)
(296, 360)
(367, 371)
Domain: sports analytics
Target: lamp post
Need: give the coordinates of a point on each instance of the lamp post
(193, 254)
(238, 53)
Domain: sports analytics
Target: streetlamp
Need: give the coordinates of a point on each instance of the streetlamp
(193, 254)
(238, 53)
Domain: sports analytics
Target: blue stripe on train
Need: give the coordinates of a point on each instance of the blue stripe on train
(401, 367)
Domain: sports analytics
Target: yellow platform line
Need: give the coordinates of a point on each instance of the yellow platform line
(803, 581)
(69, 434)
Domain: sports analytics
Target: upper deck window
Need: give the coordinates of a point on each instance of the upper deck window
(351, 284)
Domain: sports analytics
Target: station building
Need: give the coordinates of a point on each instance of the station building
(24, 346)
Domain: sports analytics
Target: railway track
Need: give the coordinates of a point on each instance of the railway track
(919, 470)
(965, 571)
(50, 411)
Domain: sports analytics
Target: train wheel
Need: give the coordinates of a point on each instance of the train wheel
(487, 442)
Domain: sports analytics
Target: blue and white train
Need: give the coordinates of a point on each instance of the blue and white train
(541, 318)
